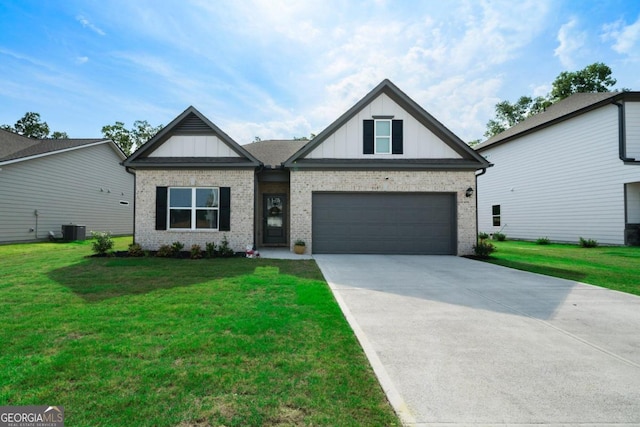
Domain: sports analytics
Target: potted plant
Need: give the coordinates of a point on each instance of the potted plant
(299, 247)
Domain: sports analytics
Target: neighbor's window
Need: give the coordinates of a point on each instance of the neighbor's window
(383, 136)
(193, 208)
(495, 212)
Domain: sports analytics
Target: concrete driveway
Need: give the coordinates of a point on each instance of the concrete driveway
(460, 342)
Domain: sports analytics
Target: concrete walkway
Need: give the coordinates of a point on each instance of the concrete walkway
(457, 342)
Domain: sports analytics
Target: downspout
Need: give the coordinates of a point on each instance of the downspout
(484, 170)
(134, 200)
(622, 137)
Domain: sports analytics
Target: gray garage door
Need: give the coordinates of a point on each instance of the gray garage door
(384, 223)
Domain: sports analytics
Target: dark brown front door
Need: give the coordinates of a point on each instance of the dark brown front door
(273, 212)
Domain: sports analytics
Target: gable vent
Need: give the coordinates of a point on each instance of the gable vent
(192, 124)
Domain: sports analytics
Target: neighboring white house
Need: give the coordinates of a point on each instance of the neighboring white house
(45, 184)
(572, 171)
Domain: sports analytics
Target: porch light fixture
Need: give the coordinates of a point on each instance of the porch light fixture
(469, 192)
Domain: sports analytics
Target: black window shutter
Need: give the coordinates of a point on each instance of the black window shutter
(161, 208)
(367, 137)
(225, 209)
(396, 137)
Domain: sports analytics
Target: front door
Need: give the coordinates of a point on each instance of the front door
(273, 212)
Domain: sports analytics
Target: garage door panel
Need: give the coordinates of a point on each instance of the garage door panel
(403, 223)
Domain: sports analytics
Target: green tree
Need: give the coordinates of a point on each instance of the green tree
(593, 78)
(59, 135)
(130, 139)
(508, 114)
(32, 126)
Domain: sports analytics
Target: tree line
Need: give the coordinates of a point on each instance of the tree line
(31, 125)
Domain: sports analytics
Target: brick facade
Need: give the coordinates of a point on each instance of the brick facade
(304, 183)
(241, 182)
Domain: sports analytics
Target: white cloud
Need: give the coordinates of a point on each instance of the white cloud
(87, 24)
(82, 60)
(571, 41)
(625, 37)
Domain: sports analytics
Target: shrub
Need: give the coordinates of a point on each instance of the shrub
(224, 250)
(135, 250)
(196, 252)
(483, 236)
(483, 249)
(102, 242)
(176, 247)
(543, 241)
(164, 251)
(299, 243)
(588, 243)
(210, 250)
(499, 237)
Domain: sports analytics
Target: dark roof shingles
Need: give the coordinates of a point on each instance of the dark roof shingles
(274, 152)
(567, 106)
(14, 146)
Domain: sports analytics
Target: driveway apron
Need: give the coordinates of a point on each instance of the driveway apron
(459, 342)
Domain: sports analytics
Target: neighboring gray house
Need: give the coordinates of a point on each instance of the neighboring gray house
(45, 184)
(385, 177)
(572, 171)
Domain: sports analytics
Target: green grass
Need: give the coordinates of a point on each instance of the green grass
(179, 342)
(613, 267)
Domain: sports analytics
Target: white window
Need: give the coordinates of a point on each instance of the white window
(383, 136)
(193, 208)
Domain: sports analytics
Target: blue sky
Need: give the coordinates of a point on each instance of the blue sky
(278, 69)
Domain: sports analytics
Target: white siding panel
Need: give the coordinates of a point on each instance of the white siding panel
(194, 146)
(632, 123)
(562, 182)
(419, 142)
(65, 188)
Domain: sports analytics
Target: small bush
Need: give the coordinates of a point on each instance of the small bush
(210, 250)
(224, 250)
(135, 250)
(176, 247)
(299, 242)
(164, 251)
(483, 249)
(499, 237)
(196, 252)
(483, 236)
(102, 242)
(588, 243)
(543, 241)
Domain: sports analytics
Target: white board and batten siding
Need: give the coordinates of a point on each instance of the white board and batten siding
(418, 141)
(83, 186)
(562, 182)
(194, 146)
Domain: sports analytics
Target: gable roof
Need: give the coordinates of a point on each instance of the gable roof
(272, 153)
(574, 105)
(190, 121)
(15, 148)
(470, 159)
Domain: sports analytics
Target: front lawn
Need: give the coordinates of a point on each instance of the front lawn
(613, 267)
(179, 342)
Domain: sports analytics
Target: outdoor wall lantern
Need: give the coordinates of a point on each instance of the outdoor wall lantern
(469, 192)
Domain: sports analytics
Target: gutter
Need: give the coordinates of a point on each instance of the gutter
(622, 137)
